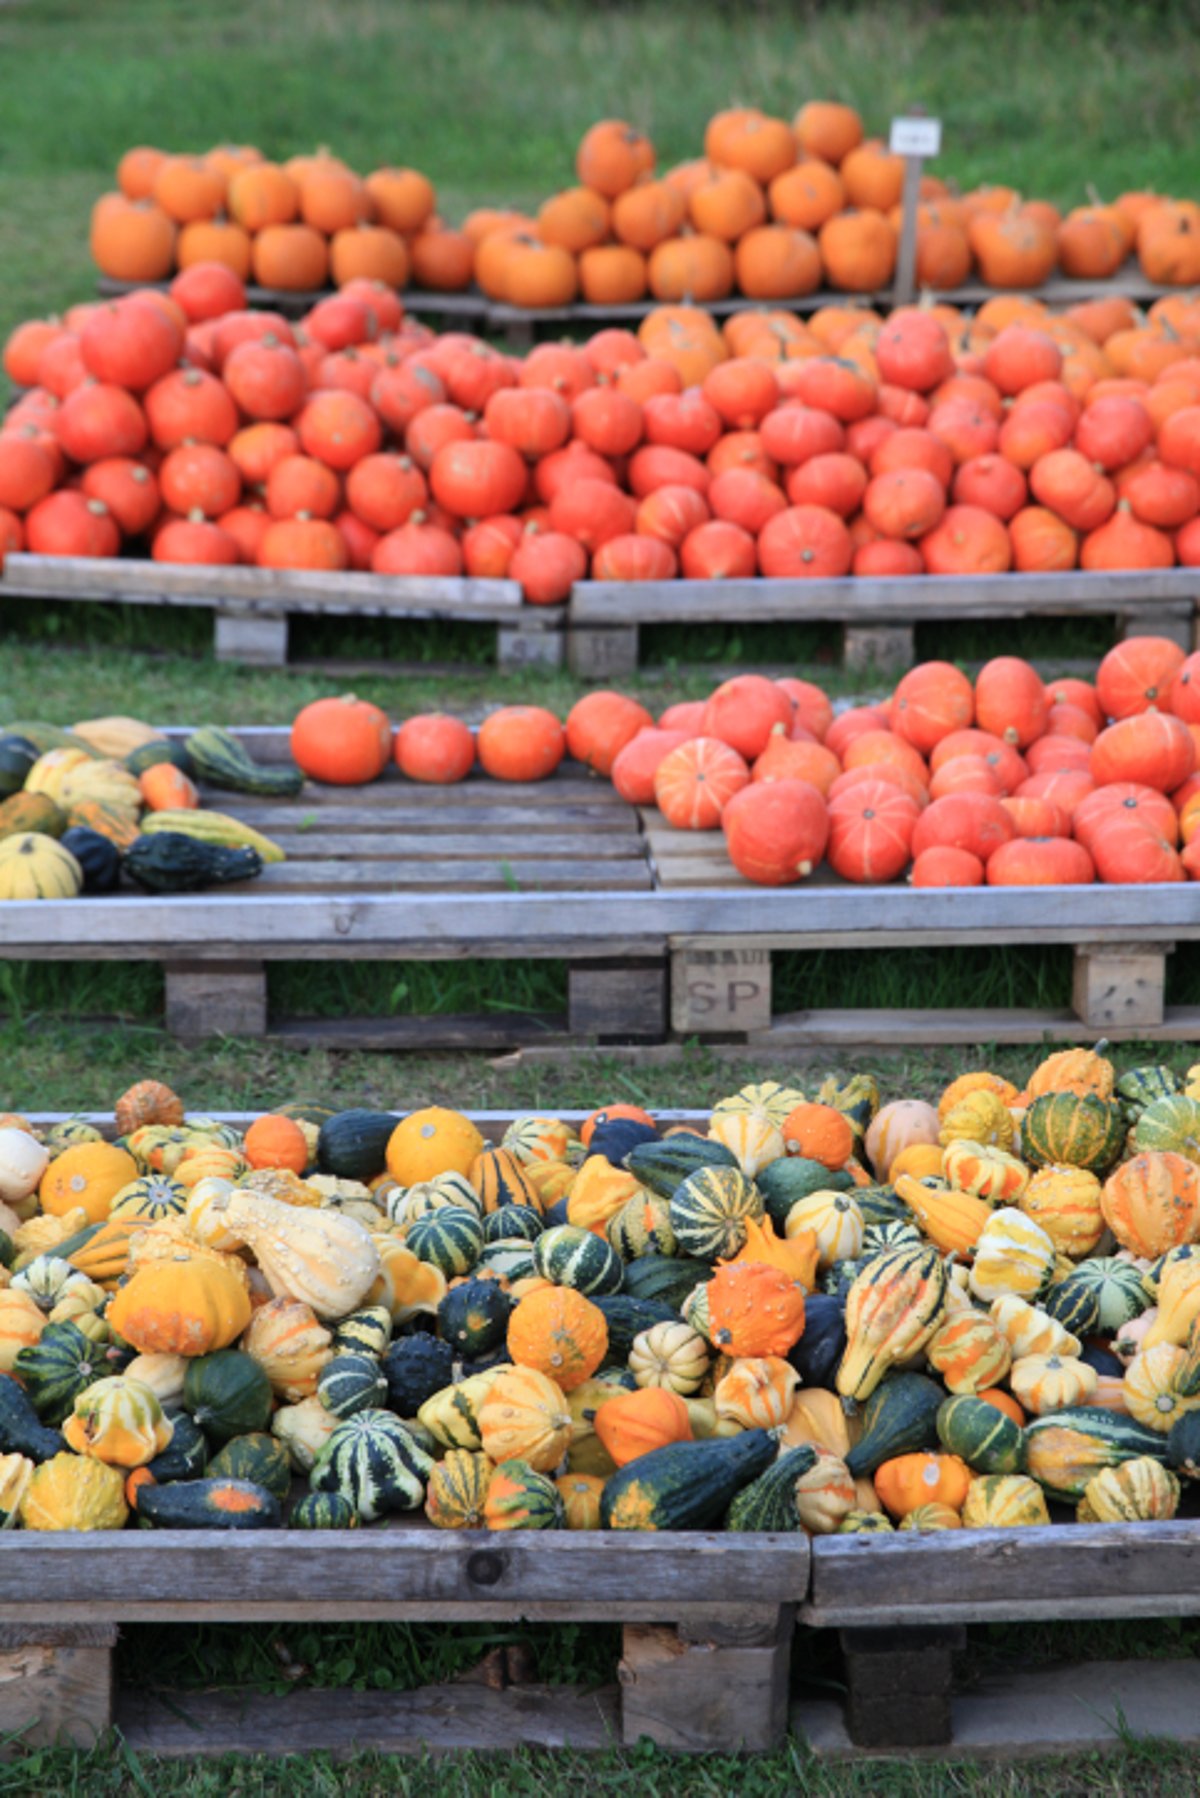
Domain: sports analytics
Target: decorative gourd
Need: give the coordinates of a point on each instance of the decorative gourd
(524, 1416)
(90, 1176)
(671, 1355)
(323, 1511)
(663, 1166)
(1170, 1123)
(366, 1332)
(819, 1418)
(1139, 1491)
(451, 1415)
(897, 1126)
(1183, 1445)
(1073, 1071)
(757, 1392)
(932, 1516)
(572, 1257)
(323, 1258)
(16, 1471)
(185, 1456)
(416, 1367)
(304, 1429)
(375, 1462)
(981, 1117)
(836, 1222)
(22, 1322)
(449, 1238)
(352, 1145)
(1075, 1305)
(635, 1423)
(985, 1171)
(520, 1221)
(21, 1430)
(560, 1333)
(773, 1100)
(1004, 1501)
(457, 1491)
(1065, 1202)
(406, 1286)
(824, 1494)
(982, 1435)
(58, 1367)
(218, 758)
(432, 1142)
(519, 1497)
(164, 1374)
(1065, 1129)
(709, 1210)
(899, 1418)
(227, 1394)
(1013, 1255)
(50, 1281)
(751, 1137)
(1046, 1383)
(208, 1504)
(769, 1502)
(953, 1221)
(350, 1383)
(599, 1193)
(74, 1492)
(181, 1305)
(118, 1420)
(580, 1494)
(34, 866)
(1154, 1387)
(150, 1198)
(1064, 1450)
(1029, 1330)
(1119, 1291)
(449, 1191)
(893, 1307)
(257, 1457)
(784, 1183)
(508, 1261)
(23, 1161)
(870, 1523)
(686, 1486)
(910, 1480)
(641, 1227)
(1152, 1202)
(753, 1309)
(969, 1352)
(533, 1139)
(1178, 1303)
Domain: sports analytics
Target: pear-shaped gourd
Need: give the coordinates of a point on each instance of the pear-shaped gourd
(892, 1309)
(323, 1258)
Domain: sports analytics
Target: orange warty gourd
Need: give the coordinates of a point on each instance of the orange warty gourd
(148, 1102)
(754, 1309)
(819, 1133)
(1151, 1203)
(560, 1333)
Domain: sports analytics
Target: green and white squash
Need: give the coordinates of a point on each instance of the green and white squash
(450, 1238)
(323, 1511)
(570, 1256)
(151, 1198)
(709, 1211)
(58, 1367)
(349, 1383)
(373, 1461)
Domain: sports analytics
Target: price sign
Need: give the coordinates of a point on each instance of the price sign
(915, 137)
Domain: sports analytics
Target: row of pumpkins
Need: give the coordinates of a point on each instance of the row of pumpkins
(773, 209)
(1006, 779)
(185, 426)
(812, 1313)
(112, 800)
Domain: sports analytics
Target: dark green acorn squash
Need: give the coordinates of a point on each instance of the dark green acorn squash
(98, 857)
(667, 1278)
(571, 1256)
(227, 1393)
(416, 1367)
(686, 1486)
(323, 1511)
(349, 1383)
(218, 758)
(17, 756)
(818, 1352)
(352, 1145)
(259, 1457)
(1075, 1304)
(186, 1454)
(208, 1504)
(169, 862)
(615, 1138)
(1183, 1445)
(450, 1239)
(513, 1221)
(663, 1166)
(375, 1461)
(769, 1502)
(473, 1318)
(22, 1431)
(899, 1417)
(982, 1435)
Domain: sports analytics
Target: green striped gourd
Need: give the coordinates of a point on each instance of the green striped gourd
(1004, 1501)
(982, 1435)
(1170, 1123)
(217, 828)
(323, 1511)
(450, 1238)
(457, 1490)
(218, 758)
(372, 1460)
(1073, 1130)
(1139, 1491)
(769, 1502)
(365, 1332)
(259, 1457)
(709, 1210)
(58, 1367)
(349, 1383)
(1064, 1450)
(152, 1198)
(452, 1415)
(892, 1309)
(574, 1257)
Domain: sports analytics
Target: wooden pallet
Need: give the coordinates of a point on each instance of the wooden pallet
(878, 616)
(701, 1669)
(251, 606)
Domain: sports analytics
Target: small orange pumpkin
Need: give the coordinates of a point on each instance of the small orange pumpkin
(907, 1481)
(149, 1102)
(273, 1141)
(560, 1333)
(634, 1423)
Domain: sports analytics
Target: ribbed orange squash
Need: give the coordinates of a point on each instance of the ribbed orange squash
(560, 1333)
(1152, 1203)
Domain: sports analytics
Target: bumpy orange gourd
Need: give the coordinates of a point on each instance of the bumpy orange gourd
(560, 1333)
(754, 1309)
(276, 1142)
(1152, 1202)
(182, 1305)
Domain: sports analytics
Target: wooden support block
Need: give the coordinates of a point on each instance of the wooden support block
(56, 1683)
(600, 654)
(703, 1693)
(528, 649)
(260, 638)
(1120, 984)
(617, 999)
(216, 998)
(720, 991)
(899, 1684)
(1177, 626)
(878, 646)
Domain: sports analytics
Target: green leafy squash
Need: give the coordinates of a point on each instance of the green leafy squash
(353, 1144)
(170, 862)
(208, 1504)
(982, 1435)
(663, 1166)
(685, 1486)
(898, 1418)
(218, 758)
(769, 1502)
(259, 1457)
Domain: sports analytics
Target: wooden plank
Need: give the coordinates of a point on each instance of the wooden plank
(843, 1030)
(491, 1124)
(719, 991)
(1081, 1570)
(579, 820)
(524, 647)
(869, 647)
(406, 1561)
(478, 1032)
(259, 638)
(56, 1684)
(606, 654)
(390, 842)
(1120, 985)
(215, 999)
(437, 1719)
(881, 601)
(499, 875)
(617, 1001)
(706, 1696)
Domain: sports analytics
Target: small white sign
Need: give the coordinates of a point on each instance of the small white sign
(915, 137)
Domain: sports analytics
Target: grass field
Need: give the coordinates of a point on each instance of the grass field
(491, 99)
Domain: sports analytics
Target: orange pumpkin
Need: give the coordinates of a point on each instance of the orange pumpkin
(634, 1423)
(560, 1333)
(278, 1142)
(907, 1481)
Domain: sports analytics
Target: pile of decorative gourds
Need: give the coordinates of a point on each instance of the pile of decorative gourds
(189, 428)
(1009, 779)
(112, 799)
(773, 210)
(803, 1312)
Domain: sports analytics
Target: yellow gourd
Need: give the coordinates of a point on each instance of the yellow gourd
(982, 1118)
(1012, 1255)
(953, 1221)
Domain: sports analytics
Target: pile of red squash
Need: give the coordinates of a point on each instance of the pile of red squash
(1008, 780)
(185, 426)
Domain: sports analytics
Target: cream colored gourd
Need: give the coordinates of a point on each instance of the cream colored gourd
(163, 1374)
(750, 1136)
(1152, 1387)
(757, 1392)
(1178, 1304)
(1045, 1383)
(304, 1429)
(825, 1495)
(898, 1126)
(290, 1346)
(671, 1355)
(1012, 1255)
(835, 1220)
(106, 782)
(1002, 1501)
(1031, 1331)
(985, 1171)
(324, 1259)
(23, 1161)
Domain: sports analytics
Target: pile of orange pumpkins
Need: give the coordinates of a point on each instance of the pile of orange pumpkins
(1008, 780)
(772, 209)
(187, 425)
